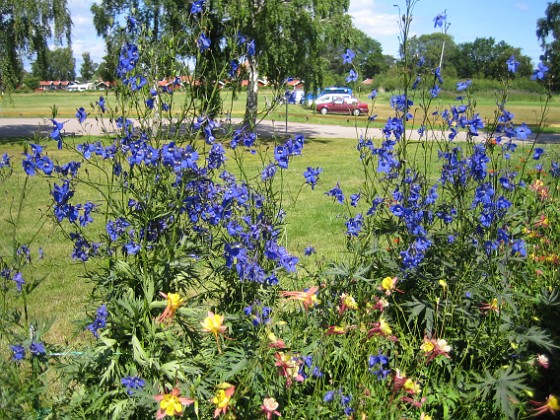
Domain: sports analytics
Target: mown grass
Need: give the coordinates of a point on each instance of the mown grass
(526, 108)
(313, 219)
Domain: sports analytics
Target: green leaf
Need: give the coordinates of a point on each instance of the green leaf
(139, 353)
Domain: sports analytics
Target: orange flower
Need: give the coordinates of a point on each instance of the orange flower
(551, 405)
(222, 398)
(269, 406)
(171, 404)
(308, 297)
(173, 303)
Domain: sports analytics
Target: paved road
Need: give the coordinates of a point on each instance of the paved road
(29, 127)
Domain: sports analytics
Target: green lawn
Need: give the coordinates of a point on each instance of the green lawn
(40, 105)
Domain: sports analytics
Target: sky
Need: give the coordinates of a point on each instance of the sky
(512, 21)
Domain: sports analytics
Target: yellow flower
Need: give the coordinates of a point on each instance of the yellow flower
(213, 323)
(384, 327)
(388, 285)
(551, 405)
(412, 386)
(173, 303)
(222, 398)
(171, 404)
(349, 301)
(427, 346)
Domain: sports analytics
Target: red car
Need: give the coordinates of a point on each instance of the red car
(341, 106)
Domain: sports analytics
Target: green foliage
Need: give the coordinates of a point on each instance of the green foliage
(26, 25)
(88, 68)
(548, 33)
(58, 64)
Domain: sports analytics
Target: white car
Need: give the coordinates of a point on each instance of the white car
(331, 97)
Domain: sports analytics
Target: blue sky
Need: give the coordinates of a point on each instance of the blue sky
(512, 21)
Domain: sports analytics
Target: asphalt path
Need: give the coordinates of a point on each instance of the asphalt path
(40, 127)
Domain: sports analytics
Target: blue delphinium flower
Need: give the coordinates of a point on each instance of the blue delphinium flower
(101, 103)
(25, 252)
(309, 251)
(196, 6)
(434, 92)
(373, 94)
(132, 384)
(329, 396)
(62, 193)
(540, 72)
(18, 279)
(203, 42)
(257, 314)
(522, 132)
(233, 67)
(216, 156)
(37, 348)
(268, 172)
(100, 320)
(251, 48)
(512, 64)
(352, 76)
(555, 169)
(116, 228)
(437, 73)
(312, 176)
(382, 361)
(354, 225)
(337, 193)
(18, 352)
(345, 403)
(537, 153)
(518, 247)
(281, 156)
(82, 248)
(81, 114)
(348, 56)
(354, 199)
(5, 161)
(56, 133)
(131, 24)
(439, 19)
(464, 85)
(374, 205)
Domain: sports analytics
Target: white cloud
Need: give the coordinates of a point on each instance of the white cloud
(521, 6)
(377, 22)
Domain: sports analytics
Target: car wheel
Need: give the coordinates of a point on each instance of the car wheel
(324, 111)
(356, 112)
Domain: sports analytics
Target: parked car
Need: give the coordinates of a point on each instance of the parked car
(342, 106)
(337, 89)
(331, 97)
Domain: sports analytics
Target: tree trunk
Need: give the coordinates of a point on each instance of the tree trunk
(250, 119)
